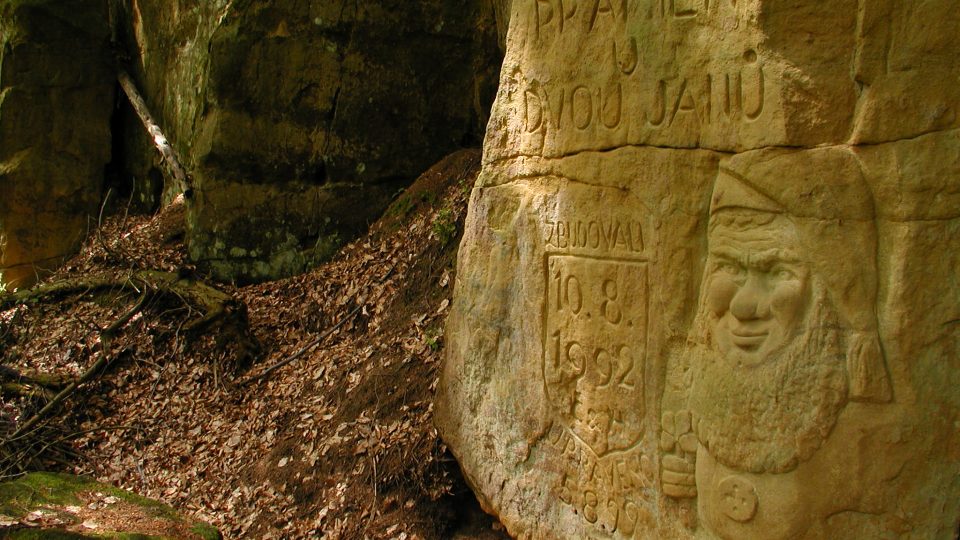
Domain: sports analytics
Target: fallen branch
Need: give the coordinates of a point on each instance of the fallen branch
(30, 443)
(218, 308)
(28, 378)
(159, 139)
(89, 374)
(56, 290)
(41, 447)
(18, 450)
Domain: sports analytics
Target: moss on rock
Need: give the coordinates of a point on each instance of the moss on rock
(54, 506)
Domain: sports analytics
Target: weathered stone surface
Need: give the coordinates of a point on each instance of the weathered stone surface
(906, 70)
(56, 95)
(309, 116)
(501, 10)
(741, 328)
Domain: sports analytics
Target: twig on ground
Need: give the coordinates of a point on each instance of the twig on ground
(31, 441)
(314, 342)
(303, 350)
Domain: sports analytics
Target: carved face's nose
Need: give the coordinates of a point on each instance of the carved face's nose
(750, 302)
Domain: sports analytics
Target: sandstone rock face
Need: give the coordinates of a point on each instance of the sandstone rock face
(168, 43)
(707, 285)
(301, 120)
(501, 10)
(56, 97)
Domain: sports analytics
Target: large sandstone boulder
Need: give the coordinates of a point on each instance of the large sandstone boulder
(707, 284)
(56, 97)
(301, 120)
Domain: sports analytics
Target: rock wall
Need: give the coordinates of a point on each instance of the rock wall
(167, 51)
(56, 98)
(300, 121)
(706, 288)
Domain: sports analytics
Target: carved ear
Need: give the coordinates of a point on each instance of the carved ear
(867, 369)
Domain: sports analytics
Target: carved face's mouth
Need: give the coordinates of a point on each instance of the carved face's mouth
(748, 340)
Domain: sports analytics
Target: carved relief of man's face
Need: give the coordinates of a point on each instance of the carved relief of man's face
(756, 290)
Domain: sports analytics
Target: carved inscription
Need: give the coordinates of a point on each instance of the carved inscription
(711, 98)
(685, 9)
(651, 71)
(594, 350)
(577, 16)
(607, 235)
(604, 491)
(578, 107)
(556, 17)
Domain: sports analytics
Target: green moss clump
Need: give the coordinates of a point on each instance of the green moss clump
(205, 531)
(32, 491)
(51, 491)
(43, 534)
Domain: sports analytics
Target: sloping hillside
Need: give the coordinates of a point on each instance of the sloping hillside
(302, 409)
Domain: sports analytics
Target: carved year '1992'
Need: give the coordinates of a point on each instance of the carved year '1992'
(595, 347)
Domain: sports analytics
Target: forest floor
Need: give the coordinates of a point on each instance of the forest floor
(335, 441)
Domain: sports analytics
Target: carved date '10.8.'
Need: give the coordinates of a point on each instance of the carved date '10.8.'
(570, 297)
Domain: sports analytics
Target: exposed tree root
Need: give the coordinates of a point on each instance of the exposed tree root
(211, 310)
(218, 310)
(27, 379)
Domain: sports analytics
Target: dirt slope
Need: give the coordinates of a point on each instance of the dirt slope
(337, 444)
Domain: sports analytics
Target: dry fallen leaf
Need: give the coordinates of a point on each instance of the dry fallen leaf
(215, 450)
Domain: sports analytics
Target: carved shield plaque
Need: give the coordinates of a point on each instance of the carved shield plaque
(595, 346)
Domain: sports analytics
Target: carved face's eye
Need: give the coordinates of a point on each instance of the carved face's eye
(783, 273)
(729, 268)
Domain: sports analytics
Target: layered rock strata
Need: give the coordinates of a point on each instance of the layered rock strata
(56, 98)
(300, 121)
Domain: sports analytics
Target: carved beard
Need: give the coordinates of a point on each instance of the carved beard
(770, 417)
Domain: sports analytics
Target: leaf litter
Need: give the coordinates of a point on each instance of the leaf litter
(339, 443)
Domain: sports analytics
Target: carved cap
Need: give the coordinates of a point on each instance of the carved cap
(823, 183)
(825, 195)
